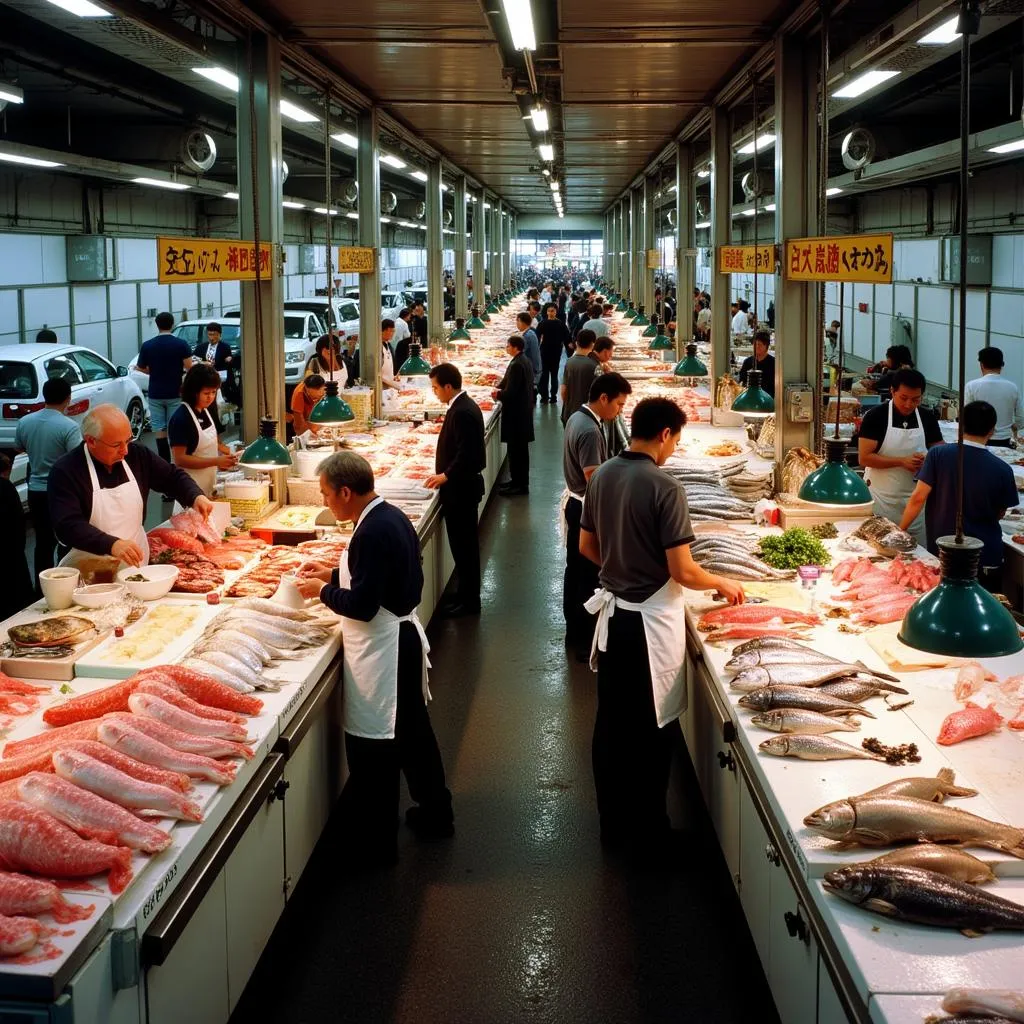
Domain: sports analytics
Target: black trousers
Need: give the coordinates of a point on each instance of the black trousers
(369, 801)
(549, 377)
(579, 582)
(518, 463)
(39, 509)
(993, 443)
(631, 755)
(991, 578)
(462, 526)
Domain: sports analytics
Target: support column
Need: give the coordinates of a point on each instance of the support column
(259, 187)
(627, 215)
(721, 226)
(502, 249)
(511, 249)
(647, 243)
(686, 251)
(623, 264)
(796, 168)
(479, 251)
(461, 271)
(368, 173)
(435, 254)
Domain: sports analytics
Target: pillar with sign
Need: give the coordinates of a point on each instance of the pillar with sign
(721, 229)
(686, 254)
(369, 238)
(435, 255)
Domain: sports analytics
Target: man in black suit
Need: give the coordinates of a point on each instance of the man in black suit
(459, 464)
(218, 354)
(516, 396)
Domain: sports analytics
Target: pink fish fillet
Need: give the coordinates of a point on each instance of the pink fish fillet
(204, 688)
(20, 894)
(113, 785)
(136, 769)
(32, 840)
(970, 722)
(165, 691)
(1017, 722)
(18, 935)
(52, 738)
(751, 632)
(751, 613)
(970, 679)
(160, 710)
(137, 744)
(90, 815)
(207, 746)
(1013, 687)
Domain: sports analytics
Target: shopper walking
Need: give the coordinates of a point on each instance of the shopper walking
(531, 347)
(578, 375)
(515, 392)
(636, 527)
(458, 477)
(45, 436)
(376, 589)
(584, 448)
(1002, 394)
(554, 339)
(165, 358)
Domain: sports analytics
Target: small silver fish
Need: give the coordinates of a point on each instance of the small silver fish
(770, 643)
(796, 721)
(815, 748)
(804, 675)
(854, 690)
(229, 663)
(810, 698)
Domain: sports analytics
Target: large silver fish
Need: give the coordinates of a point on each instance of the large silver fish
(796, 721)
(810, 698)
(925, 897)
(803, 675)
(932, 788)
(776, 643)
(815, 748)
(740, 571)
(854, 690)
(229, 663)
(946, 860)
(784, 656)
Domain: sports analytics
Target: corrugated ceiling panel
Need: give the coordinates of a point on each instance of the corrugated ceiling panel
(400, 16)
(656, 13)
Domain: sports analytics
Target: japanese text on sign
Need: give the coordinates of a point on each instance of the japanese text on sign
(653, 259)
(356, 259)
(865, 258)
(210, 259)
(746, 259)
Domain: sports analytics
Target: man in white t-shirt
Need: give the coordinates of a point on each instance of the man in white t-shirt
(740, 320)
(1002, 394)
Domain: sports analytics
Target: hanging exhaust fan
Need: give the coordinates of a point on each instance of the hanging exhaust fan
(752, 185)
(284, 171)
(703, 209)
(412, 209)
(448, 218)
(671, 218)
(198, 151)
(388, 202)
(858, 149)
(349, 191)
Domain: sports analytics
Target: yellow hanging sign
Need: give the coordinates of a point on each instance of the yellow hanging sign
(746, 259)
(210, 259)
(356, 259)
(653, 259)
(859, 258)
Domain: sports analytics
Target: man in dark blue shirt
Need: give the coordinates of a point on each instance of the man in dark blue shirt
(989, 490)
(165, 358)
(375, 590)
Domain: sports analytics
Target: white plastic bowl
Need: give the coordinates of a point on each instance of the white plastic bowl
(99, 595)
(158, 581)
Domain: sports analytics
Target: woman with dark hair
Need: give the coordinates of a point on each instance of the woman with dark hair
(328, 361)
(194, 427)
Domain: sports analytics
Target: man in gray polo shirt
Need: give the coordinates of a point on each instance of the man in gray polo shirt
(636, 527)
(584, 448)
(578, 375)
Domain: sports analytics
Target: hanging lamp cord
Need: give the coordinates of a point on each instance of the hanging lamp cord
(819, 345)
(261, 370)
(327, 229)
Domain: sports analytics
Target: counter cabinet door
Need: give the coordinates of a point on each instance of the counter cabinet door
(308, 800)
(793, 953)
(757, 857)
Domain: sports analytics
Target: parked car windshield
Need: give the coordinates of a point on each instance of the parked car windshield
(294, 326)
(63, 367)
(18, 380)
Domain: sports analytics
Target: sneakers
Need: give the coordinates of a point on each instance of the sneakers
(428, 825)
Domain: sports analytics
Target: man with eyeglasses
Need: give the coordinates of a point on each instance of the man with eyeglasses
(99, 490)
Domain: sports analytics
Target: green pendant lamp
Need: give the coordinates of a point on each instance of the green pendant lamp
(415, 365)
(474, 323)
(640, 320)
(754, 402)
(652, 330)
(460, 333)
(620, 306)
(690, 366)
(834, 483)
(332, 408)
(631, 311)
(661, 342)
(266, 452)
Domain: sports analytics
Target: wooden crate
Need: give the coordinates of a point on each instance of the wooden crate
(812, 515)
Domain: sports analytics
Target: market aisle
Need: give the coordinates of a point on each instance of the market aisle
(521, 916)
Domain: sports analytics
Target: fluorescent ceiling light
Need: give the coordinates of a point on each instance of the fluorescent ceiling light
(1008, 147)
(392, 161)
(406, 224)
(546, 150)
(219, 75)
(862, 83)
(472, 199)
(174, 186)
(540, 118)
(346, 139)
(554, 186)
(230, 195)
(748, 213)
(561, 216)
(296, 113)
(770, 208)
(942, 34)
(487, 206)
(833, 191)
(11, 93)
(418, 175)
(545, 172)
(422, 227)
(323, 210)
(704, 174)
(352, 216)
(761, 142)
(385, 220)
(28, 161)
(288, 204)
(703, 224)
(520, 23)
(673, 188)
(444, 187)
(82, 8)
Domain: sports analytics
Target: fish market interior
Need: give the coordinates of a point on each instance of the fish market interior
(511, 511)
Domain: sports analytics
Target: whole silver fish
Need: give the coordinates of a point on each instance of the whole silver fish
(228, 663)
(267, 655)
(854, 690)
(803, 675)
(815, 748)
(884, 820)
(809, 698)
(228, 678)
(782, 656)
(219, 642)
(272, 608)
(925, 897)
(775, 643)
(934, 789)
(741, 571)
(946, 860)
(796, 721)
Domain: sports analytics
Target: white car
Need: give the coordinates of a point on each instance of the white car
(302, 328)
(93, 379)
(391, 302)
(346, 315)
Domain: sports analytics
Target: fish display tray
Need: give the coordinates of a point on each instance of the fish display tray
(59, 669)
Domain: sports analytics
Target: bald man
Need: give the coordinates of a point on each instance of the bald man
(98, 491)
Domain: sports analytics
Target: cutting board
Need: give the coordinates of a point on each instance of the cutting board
(898, 656)
(61, 669)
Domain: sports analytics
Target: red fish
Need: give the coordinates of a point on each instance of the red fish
(176, 539)
(189, 743)
(15, 767)
(91, 705)
(135, 769)
(1017, 722)
(20, 894)
(746, 614)
(19, 934)
(9, 685)
(205, 689)
(137, 744)
(168, 693)
(970, 679)
(47, 742)
(17, 704)
(970, 722)
(751, 632)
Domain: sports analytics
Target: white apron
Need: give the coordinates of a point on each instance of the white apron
(370, 665)
(115, 510)
(207, 448)
(664, 617)
(387, 364)
(563, 504)
(891, 488)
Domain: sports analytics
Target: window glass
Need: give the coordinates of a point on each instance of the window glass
(18, 380)
(93, 367)
(63, 367)
(189, 333)
(295, 325)
(349, 311)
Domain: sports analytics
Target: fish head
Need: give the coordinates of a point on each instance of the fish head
(777, 745)
(834, 820)
(756, 700)
(852, 884)
(738, 662)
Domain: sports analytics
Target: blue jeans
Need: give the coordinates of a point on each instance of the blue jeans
(160, 412)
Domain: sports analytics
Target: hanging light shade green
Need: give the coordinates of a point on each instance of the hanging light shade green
(266, 452)
(460, 333)
(690, 366)
(332, 408)
(754, 401)
(474, 323)
(959, 617)
(492, 308)
(415, 365)
(640, 320)
(620, 306)
(652, 330)
(661, 342)
(835, 483)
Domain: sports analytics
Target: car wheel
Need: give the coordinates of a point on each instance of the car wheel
(136, 417)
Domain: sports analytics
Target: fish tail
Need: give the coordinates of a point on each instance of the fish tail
(947, 775)
(1011, 842)
(120, 870)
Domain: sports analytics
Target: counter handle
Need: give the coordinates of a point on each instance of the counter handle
(162, 935)
(721, 710)
(772, 854)
(726, 760)
(797, 926)
(302, 721)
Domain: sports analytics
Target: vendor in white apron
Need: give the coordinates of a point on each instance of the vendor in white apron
(894, 439)
(98, 491)
(375, 590)
(636, 528)
(192, 429)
